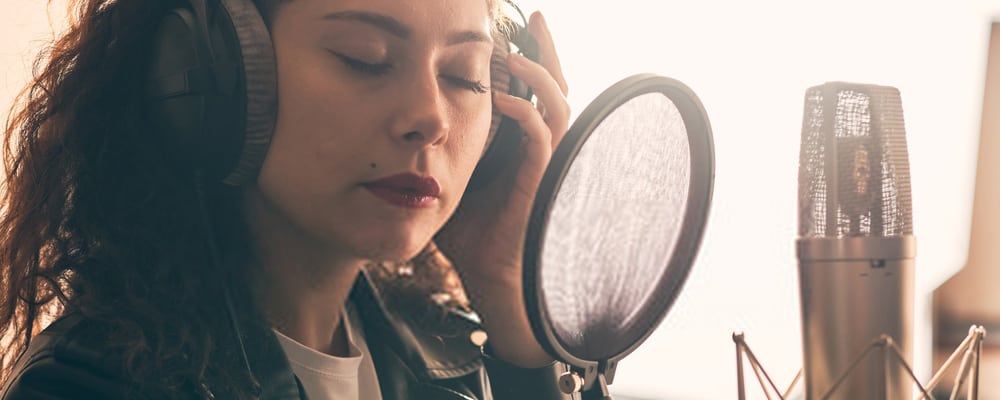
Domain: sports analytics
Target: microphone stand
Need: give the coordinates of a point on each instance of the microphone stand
(971, 348)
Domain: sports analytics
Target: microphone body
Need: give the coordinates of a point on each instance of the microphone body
(853, 291)
(856, 246)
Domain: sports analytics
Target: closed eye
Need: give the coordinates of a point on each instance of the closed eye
(374, 69)
(467, 84)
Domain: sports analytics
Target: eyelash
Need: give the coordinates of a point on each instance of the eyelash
(363, 67)
(384, 68)
(474, 86)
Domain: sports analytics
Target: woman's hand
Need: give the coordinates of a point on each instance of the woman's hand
(485, 236)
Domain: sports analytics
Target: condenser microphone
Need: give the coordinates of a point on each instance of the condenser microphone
(855, 247)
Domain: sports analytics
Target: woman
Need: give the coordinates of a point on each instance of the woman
(179, 262)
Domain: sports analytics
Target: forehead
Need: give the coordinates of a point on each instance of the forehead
(419, 15)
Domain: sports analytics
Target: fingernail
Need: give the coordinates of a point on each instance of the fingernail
(541, 20)
(502, 97)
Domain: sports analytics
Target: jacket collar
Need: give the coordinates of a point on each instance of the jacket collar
(425, 353)
(431, 346)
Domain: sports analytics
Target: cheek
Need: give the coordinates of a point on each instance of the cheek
(302, 164)
(307, 95)
(300, 145)
(317, 115)
(472, 134)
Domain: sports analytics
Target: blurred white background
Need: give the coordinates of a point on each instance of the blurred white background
(750, 63)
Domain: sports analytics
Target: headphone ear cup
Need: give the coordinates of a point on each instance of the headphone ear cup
(505, 133)
(180, 88)
(211, 88)
(260, 70)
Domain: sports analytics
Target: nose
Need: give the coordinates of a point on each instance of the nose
(422, 115)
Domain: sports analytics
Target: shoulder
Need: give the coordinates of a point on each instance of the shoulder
(68, 360)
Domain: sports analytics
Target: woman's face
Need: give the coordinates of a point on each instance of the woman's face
(383, 111)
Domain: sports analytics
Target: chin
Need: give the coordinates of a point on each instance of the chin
(391, 242)
(393, 250)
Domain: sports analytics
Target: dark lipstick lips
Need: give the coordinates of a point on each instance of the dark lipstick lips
(405, 190)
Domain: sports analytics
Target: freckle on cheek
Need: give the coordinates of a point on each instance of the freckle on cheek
(373, 165)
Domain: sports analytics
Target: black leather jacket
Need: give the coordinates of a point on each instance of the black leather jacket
(62, 362)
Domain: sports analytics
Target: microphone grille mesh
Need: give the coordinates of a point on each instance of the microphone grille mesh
(854, 175)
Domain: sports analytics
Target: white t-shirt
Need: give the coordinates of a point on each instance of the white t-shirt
(326, 377)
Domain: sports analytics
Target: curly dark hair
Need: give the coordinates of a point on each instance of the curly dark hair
(96, 219)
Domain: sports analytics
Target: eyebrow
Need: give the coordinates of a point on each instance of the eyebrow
(396, 28)
(468, 37)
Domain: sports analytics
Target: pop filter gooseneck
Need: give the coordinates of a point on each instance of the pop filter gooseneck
(616, 224)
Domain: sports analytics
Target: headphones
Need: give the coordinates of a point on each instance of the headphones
(211, 89)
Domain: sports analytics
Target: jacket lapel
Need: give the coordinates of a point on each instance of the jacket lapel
(413, 361)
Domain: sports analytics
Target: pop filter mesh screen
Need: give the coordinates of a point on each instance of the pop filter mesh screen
(613, 228)
(854, 178)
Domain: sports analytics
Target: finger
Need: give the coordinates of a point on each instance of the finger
(547, 49)
(536, 131)
(536, 150)
(550, 96)
(522, 111)
(558, 130)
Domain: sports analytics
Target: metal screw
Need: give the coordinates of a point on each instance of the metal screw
(570, 382)
(478, 337)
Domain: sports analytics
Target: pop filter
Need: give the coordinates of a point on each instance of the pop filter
(616, 224)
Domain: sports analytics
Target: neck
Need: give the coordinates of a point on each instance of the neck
(301, 285)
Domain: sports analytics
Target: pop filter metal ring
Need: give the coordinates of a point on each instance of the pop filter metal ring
(700, 188)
